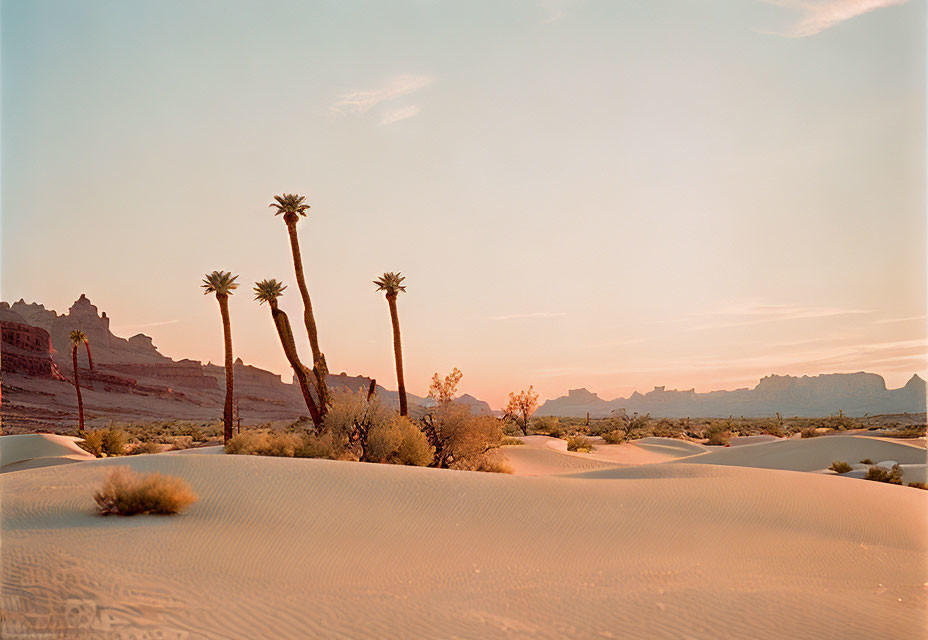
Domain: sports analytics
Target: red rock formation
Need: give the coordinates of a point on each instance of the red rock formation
(26, 349)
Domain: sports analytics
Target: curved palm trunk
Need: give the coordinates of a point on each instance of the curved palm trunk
(398, 353)
(320, 370)
(89, 357)
(77, 387)
(282, 322)
(227, 337)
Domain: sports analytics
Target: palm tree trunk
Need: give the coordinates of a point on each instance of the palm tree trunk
(77, 387)
(398, 353)
(227, 337)
(282, 322)
(320, 370)
(89, 357)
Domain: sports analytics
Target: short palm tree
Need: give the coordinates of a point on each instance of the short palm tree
(267, 291)
(292, 206)
(77, 337)
(222, 283)
(392, 285)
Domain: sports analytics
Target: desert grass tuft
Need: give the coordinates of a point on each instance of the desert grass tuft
(127, 493)
(579, 443)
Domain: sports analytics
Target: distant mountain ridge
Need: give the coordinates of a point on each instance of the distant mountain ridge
(132, 379)
(856, 394)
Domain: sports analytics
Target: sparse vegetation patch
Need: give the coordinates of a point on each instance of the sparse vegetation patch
(127, 493)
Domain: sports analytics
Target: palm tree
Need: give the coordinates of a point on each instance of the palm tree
(77, 337)
(223, 283)
(391, 283)
(292, 206)
(268, 291)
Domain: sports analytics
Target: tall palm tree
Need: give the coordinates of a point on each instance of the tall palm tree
(292, 206)
(392, 284)
(77, 337)
(268, 291)
(223, 283)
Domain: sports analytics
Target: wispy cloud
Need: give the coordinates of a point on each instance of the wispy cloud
(555, 10)
(359, 101)
(145, 325)
(526, 316)
(818, 15)
(402, 113)
(751, 312)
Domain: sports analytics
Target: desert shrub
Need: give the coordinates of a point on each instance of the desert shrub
(908, 432)
(579, 443)
(127, 493)
(351, 418)
(881, 474)
(840, 422)
(839, 466)
(718, 433)
(637, 426)
(181, 442)
(114, 441)
(461, 439)
(398, 441)
(918, 485)
(810, 432)
(547, 426)
(262, 443)
(614, 437)
(92, 443)
(146, 447)
(508, 441)
(316, 446)
(492, 463)
(867, 461)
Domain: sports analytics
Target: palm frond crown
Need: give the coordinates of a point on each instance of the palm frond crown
(77, 337)
(220, 283)
(291, 203)
(268, 290)
(391, 282)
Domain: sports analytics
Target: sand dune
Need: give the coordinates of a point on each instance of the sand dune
(34, 450)
(811, 454)
(289, 548)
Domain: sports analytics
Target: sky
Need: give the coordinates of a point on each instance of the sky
(609, 194)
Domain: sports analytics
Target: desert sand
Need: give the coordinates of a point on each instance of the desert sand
(286, 548)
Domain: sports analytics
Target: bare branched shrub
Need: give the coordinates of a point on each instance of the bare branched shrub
(839, 466)
(127, 493)
(579, 443)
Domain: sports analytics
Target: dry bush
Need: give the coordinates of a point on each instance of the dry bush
(262, 443)
(508, 441)
(127, 493)
(492, 463)
(398, 441)
(918, 485)
(637, 426)
(810, 432)
(839, 466)
(181, 442)
(719, 433)
(92, 443)
(461, 439)
(908, 432)
(614, 437)
(146, 447)
(351, 418)
(317, 446)
(579, 443)
(880, 474)
(867, 461)
(547, 426)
